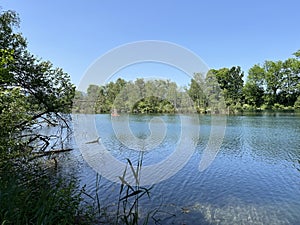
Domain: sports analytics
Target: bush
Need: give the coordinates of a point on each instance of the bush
(37, 198)
(297, 103)
(277, 106)
(265, 107)
(289, 108)
(247, 107)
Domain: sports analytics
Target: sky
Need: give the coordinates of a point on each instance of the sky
(73, 34)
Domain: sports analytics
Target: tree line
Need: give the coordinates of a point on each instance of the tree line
(270, 86)
(139, 96)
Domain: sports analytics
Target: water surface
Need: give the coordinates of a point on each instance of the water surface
(254, 179)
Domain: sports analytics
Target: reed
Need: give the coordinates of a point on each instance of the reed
(40, 200)
(130, 195)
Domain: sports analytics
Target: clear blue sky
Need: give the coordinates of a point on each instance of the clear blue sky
(73, 34)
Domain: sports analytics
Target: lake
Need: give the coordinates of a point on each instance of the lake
(253, 179)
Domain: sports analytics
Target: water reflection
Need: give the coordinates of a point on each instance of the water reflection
(253, 180)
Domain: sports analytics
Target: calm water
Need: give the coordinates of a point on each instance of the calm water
(254, 179)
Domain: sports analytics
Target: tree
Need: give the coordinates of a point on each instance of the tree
(290, 87)
(172, 93)
(268, 84)
(253, 90)
(256, 76)
(214, 93)
(31, 88)
(140, 83)
(297, 54)
(231, 84)
(112, 90)
(273, 79)
(133, 96)
(274, 82)
(196, 91)
(253, 94)
(297, 103)
(33, 95)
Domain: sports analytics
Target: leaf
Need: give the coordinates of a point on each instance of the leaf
(132, 194)
(125, 182)
(135, 174)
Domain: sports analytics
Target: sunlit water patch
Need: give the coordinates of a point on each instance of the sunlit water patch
(254, 179)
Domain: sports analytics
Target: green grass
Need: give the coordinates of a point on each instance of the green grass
(31, 197)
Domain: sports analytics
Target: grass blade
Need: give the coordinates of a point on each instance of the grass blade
(132, 194)
(135, 174)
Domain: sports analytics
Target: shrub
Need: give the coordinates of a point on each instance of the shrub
(297, 103)
(277, 106)
(34, 197)
(247, 107)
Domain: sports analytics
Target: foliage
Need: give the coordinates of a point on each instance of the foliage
(197, 92)
(32, 92)
(231, 83)
(140, 96)
(253, 94)
(274, 85)
(297, 103)
(33, 95)
(27, 197)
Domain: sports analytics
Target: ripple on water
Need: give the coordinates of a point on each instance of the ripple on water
(253, 180)
(234, 212)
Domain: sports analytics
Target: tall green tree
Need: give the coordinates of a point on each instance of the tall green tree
(297, 54)
(172, 93)
(277, 82)
(290, 87)
(214, 93)
(273, 77)
(231, 83)
(253, 90)
(33, 95)
(253, 94)
(140, 84)
(196, 91)
(112, 91)
(44, 93)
